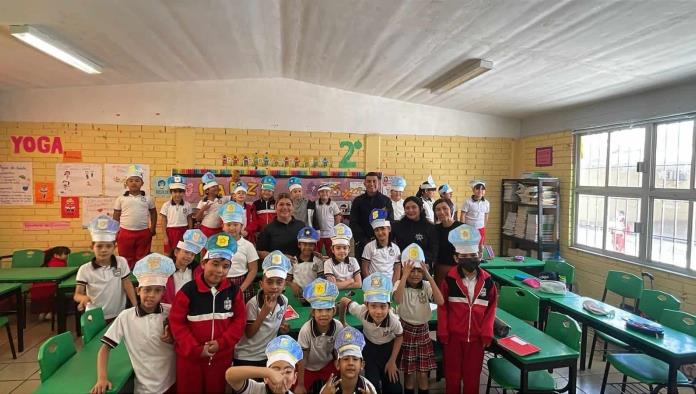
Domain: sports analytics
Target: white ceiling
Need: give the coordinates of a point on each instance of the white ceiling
(548, 54)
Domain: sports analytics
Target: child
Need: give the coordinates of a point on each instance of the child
(239, 195)
(283, 354)
(349, 345)
(207, 210)
(207, 321)
(380, 254)
(264, 207)
(303, 208)
(446, 193)
(383, 332)
(245, 262)
(413, 294)
(104, 281)
(475, 210)
(191, 244)
(145, 331)
(425, 193)
(132, 211)
(43, 293)
(307, 266)
(326, 216)
(176, 213)
(465, 321)
(398, 184)
(340, 268)
(318, 335)
(265, 312)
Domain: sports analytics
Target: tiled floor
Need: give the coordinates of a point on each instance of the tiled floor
(22, 376)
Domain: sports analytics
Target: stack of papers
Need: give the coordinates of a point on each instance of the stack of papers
(520, 222)
(529, 194)
(509, 226)
(509, 191)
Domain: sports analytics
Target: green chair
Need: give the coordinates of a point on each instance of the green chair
(27, 258)
(55, 352)
(563, 269)
(4, 321)
(92, 323)
(654, 302)
(649, 370)
(559, 326)
(520, 302)
(628, 287)
(76, 259)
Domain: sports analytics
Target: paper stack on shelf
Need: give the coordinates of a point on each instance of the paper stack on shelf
(547, 229)
(509, 226)
(532, 227)
(528, 194)
(509, 191)
(520, 222)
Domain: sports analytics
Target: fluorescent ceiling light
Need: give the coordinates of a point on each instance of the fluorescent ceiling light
(464, 72)
(49, 46)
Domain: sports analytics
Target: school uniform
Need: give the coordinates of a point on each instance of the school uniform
(193, 241)
(134, 238)
(341, 270)
(177, 222)
(175, 282)
(398, 209)
(211, 222)
(246, 253)
(264, 213)
(252, 349)
(303, 210)
(304, 272)
(325, 214)
(320, 363)
(350, 343)
(475, 214)
(103, 285)
(280, 348)
(417, 353)
(381, 258)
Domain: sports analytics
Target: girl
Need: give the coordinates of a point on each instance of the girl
(415, 228)
(446, 192)
(475, 210)
(443, 261)
(239, 196)
(42, 293)
(326, 216)
(426, 192)
(398, 184)
(176, 213)
(413, 295)
(183, 255)
(245, 262)
(207, 210)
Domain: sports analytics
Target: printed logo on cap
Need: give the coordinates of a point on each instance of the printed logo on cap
(153, 262)
(222, 241)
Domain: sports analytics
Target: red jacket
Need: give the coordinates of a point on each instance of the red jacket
(251, 225)
(461, 317)
(263, 213)
(197, 316)
(170, 287)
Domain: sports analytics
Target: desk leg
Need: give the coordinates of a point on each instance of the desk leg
(572, 378)
(543, 315)
(20, 320)
(672, 379)
(523, 380)
(62, 312)
(583, 346)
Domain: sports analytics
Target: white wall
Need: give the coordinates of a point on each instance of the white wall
(655, 103)
(281, 104)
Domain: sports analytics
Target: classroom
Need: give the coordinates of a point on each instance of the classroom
(402, 196)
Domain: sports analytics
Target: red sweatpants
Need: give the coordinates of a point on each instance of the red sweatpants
(326, 243)
(199, 377)
(463, 362)
(174, 235)
(323, 374)
(133, 245)
(482, 231)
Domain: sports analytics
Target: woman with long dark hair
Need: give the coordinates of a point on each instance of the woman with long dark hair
(443, 261)
(414, 227)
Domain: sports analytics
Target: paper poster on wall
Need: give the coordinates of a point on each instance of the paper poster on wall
(159, 186)
(45, 225)
(15, 184)
(43, 192)
(115, 178)
(95, 206)
(70, 207)
(78, 179)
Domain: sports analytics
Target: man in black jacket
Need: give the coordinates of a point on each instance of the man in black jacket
(361, 208)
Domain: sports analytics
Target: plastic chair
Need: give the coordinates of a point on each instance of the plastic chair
(628, 287)
(92, 323)
(76, 259)
(654, 302)
(520, 302)
(27, 258)
(4, 321)
(649, 370)
(55, 352)
(563, 269)
(558, 326)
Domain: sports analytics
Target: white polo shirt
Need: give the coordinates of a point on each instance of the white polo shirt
(382, 259)
(325, 217)
(254, 348)
(181, 278)
(415, 307)
(380, 334)
(135, 211)
(154, 361)
(343, 270)
(176, 214)
(303, 273)
(103, 285)
(428, 208)
(246, 253)
(475, 212)
(211, 218)
(398, 208)
(320, 345)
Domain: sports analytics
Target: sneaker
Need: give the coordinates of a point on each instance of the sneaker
(42, 316)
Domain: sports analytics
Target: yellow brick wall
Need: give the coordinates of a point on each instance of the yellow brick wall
(590, 269)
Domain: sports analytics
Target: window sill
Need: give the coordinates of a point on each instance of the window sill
(682, 273)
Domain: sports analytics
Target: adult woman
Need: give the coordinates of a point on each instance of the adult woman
(414, 227)
(281, 233)
(444, 261)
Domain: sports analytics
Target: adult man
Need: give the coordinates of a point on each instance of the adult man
(362, 207)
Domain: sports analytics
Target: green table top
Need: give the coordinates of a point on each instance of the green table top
(6, 288)
(37, 274)
(508, 262)
(507, 275)
(674, 343)
(550, 348)
(79, 373)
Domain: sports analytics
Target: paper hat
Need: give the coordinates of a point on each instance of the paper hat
(398, 183)
(414, 253)
(321, 294)
(342, 235)
(153, 270)
(193, 241)
(294, 183)
(276, 265)
(465, 239)
(445, 189)
(135, 170)
(349, 342)
(307, 234)
(429, 183)
(103, 229)
(477, 182)
(324, 186)
(378, 218)
(176, 182)
(283, 348)
(220, 246)
(268, 183)
(208, 180)
(240, 186)
(377, 287)
(231, 212)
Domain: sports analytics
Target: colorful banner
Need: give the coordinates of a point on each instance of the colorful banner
(263, 159)
(70, 207)
(15, 184)
(43, 192)
(77, 179)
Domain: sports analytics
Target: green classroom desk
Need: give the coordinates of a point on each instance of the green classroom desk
(552, 354)
(30, 275)
(8, 290)
(79, 373)
(675, 348)
(507, 262)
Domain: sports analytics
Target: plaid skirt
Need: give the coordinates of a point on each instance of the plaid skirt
(249, 293)
(417, 349)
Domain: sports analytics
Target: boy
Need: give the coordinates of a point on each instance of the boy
(380, 254)
(303, 208)
(475, 210)
(207, 321)
(265, 312)
(465, 321)
(340, 268)
(446, 192)
(349, 345)
(176, 213)
(383, 332)
(264, 208)
(398, 184)
(283, 354)
(145, 330)
(239, 196)
(245, 262)
(132, 210)
(317, 336)
(104, 281)
(326, 215)
(307, 266)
